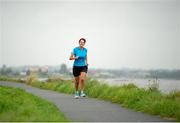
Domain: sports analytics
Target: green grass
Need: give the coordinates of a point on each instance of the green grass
(150, 101)
(8, 78)
(18, 105)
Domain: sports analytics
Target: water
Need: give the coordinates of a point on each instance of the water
(165, 85)
(43, 79)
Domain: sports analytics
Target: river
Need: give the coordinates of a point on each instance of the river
(165, 85)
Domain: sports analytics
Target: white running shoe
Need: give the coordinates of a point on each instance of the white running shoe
(76, 96)
(83, 94)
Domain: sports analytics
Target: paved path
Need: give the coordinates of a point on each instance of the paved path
(87, 109)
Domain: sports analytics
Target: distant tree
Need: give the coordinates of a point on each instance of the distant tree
(4, 66)
(5, 70)
(28, 72)
(39, 70)
(63, 69)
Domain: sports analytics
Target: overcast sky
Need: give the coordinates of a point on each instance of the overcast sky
(133, 33)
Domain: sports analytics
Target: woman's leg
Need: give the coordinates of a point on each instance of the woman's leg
(76, 83)
(82, 78)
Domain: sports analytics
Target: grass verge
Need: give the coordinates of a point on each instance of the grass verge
(18, 105)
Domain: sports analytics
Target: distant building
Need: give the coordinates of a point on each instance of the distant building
(33, 69)
(30, 69)
(44, 69)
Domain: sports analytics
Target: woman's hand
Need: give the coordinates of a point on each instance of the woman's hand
(72, 57)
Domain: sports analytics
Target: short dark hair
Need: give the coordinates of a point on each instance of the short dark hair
(82, 39)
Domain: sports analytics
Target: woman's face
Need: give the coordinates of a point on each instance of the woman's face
(81, 43)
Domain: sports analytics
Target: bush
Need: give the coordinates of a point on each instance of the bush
(32, 78)
(153, 85)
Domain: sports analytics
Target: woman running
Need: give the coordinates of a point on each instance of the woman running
(80, 67)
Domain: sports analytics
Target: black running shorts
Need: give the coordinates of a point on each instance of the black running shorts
(78, 69)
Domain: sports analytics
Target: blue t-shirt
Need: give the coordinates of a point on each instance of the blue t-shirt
(82, 53)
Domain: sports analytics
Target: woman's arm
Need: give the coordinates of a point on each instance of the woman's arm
(72, 57)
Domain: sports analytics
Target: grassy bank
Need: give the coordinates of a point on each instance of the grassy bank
(18, 105)
(10, 78)
(150, 100)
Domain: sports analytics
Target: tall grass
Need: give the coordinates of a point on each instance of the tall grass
(146, 100)
(32, 77)
(17, 105)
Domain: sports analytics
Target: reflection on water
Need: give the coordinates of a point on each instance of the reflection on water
(165, 85)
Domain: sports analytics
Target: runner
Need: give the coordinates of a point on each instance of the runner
(80, 67)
